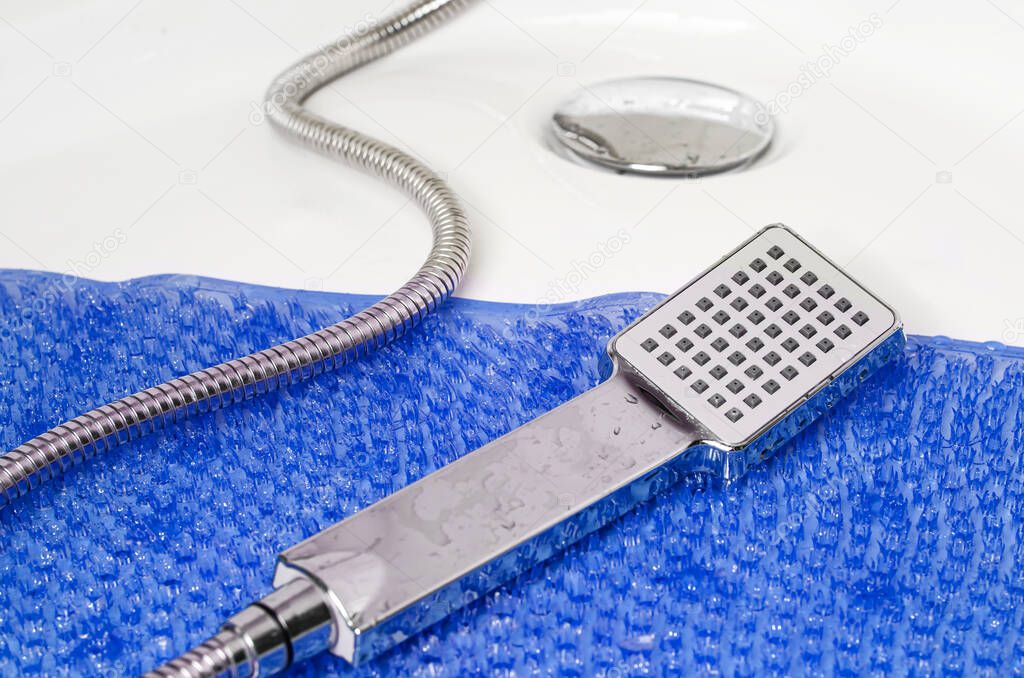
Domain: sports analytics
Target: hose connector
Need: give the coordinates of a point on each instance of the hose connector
(291, 624)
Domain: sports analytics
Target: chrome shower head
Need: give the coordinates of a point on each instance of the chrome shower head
(754, 338)
(714, 378)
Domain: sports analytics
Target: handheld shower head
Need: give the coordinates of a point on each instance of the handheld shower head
(714, 378)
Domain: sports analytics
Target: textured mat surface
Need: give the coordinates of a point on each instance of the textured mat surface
(886, 539)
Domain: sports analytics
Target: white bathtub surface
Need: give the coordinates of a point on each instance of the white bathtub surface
(133, 144)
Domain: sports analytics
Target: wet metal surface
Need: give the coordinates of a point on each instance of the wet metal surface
(663, 126)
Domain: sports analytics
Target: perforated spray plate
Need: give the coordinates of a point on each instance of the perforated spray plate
(886, 539)
(756, 334)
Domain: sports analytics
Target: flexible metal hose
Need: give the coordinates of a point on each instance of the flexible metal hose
(212, 658)
(51, 453)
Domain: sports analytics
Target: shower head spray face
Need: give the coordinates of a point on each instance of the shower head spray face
(714, 378)
(754, 338)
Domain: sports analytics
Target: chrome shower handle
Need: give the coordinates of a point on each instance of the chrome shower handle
(369, 582)
(412, 558)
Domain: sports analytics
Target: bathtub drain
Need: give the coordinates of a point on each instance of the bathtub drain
(662, 126)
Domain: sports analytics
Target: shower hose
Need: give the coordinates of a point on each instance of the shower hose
(103, 428)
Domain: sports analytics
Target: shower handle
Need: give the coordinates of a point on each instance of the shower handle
(414, 557)
(380, 576)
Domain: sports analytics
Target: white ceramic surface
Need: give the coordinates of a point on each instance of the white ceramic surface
(132, 145)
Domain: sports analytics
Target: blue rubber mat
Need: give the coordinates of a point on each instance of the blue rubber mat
(886, 539)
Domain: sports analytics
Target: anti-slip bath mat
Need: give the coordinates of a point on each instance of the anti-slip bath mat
(886, 539)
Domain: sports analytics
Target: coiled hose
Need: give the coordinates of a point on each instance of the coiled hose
(103, 428)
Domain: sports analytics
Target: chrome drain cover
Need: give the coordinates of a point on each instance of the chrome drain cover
(663, 126)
